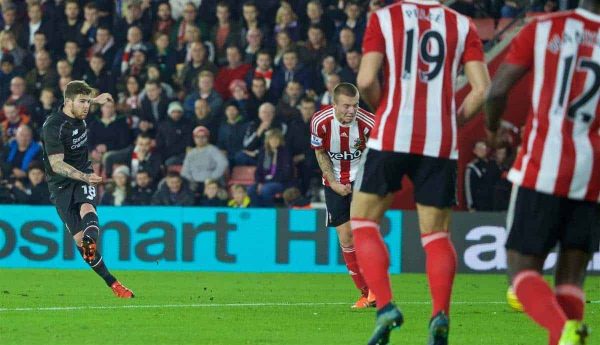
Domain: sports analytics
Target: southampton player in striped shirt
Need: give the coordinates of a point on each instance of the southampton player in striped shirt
(556, 176)
(338, 136)
(420, 45)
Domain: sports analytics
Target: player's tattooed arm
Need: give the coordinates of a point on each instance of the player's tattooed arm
(60, 167)
(325, 165)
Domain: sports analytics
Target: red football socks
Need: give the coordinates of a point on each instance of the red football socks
(572, 300)
(373, 259)
(349, 254)
(540, 303)
(440, 265)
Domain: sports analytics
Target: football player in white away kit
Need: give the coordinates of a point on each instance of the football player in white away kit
(338, 136)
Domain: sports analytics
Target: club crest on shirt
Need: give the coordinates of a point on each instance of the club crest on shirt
(358, 144)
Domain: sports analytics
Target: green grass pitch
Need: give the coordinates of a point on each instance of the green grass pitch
(75, 307)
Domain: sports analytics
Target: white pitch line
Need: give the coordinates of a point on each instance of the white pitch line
(220, 305)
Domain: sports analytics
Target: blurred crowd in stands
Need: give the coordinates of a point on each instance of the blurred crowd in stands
(213, 99)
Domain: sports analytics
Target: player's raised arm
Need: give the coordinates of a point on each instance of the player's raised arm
(367, 80)
(59, 166)
(479, 79)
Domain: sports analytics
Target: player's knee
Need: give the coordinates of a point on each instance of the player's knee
(85, 209)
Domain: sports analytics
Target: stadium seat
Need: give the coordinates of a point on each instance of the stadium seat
(243, 175)
(485, 28)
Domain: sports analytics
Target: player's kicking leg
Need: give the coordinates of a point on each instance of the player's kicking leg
(374, 261)
(86, 240)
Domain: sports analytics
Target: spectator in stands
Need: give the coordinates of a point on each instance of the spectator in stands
(239, 95)
(329, 66)
(108, 132)
(136, 15)
(72, 54)
(7, 72)
(14, 118)
(129, 99)
(142, 192)
(34, 191)
(250, 20)
(210, 195)
(9, 17)
(192, 34)
(314, 14)
(154, 105)
(254, 43)
(204, 161)
(231, 133)
(287, 107)
(287, 20)
(480, 179)
(137, 157)
(63, 69)
(46, 106)
(137, 64)
(18, 154)
(206, 81)
(24, 101)
(91, 22)
(8, 46)
(164, 22)
(256, 131)
(40, 43)
(173, 192)
(298, 139)
(349, 73)
(239, 197)
(153, 72)
(224, 34)
(99, 77)
(330, 83)
(346, 43)
(174, 135)
(42, 75)
(263, 69)
(258, 96)
(35, 24)
(354, 19)
(104, 45)
(204, 117)
(235, 69)
(189, 18)
(274, 171)
(70, 27)
(316, 47)
(123, 57)
(188, 77)
(118, 191)
(291, 70)
(283, 44)
(164, 56)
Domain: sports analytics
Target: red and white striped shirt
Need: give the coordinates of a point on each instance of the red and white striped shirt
(424, 44)
(343, 143)
(560, 154)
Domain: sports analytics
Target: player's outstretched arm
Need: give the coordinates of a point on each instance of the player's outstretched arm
(479, 79)
(327, 169)
(506, 77)
(367, 80)
(59, 166)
